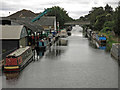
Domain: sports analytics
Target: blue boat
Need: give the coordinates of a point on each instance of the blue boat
(101, 42)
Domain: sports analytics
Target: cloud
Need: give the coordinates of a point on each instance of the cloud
(78, 1)
(80, 12)
(75, 8)
(77, 14)
(113, 3)
(7, 7)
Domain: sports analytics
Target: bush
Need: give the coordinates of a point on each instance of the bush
(109, 24)
(106, 29)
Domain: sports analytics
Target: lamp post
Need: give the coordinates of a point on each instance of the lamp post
(58, 26)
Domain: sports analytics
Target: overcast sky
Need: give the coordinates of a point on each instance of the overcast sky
(75, 8)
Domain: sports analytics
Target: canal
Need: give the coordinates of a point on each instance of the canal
(75, 65)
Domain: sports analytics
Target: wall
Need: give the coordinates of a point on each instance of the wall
(23, 42)
(48, 27)
(9, 46)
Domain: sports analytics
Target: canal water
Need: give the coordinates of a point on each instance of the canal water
(74, 65)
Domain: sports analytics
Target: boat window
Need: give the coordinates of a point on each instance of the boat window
(103, 41)
(10, 57)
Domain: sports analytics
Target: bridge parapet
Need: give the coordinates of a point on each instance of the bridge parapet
(78, 23)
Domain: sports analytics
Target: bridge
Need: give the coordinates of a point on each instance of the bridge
(78, 23)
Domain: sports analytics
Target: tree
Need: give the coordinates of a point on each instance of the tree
(98, 16)
(96, 11)
(81, 18)
(61, 15)
(117, 21)
(100, 20)
(109, 24)
(108, 9)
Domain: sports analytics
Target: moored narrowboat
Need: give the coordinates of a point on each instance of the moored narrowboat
(18, 59)
(42, 44)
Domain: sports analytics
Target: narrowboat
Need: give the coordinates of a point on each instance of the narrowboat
(12, 75)
(42, 44)
(101, 42)
(63, 41)
(18, 59)
(63, 33)
(69, 33)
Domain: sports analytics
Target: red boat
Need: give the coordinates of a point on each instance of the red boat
(18, 59)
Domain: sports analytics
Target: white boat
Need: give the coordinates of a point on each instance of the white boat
(63, 41)
(63, 33)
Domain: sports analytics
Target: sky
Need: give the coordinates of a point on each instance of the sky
(75, 8)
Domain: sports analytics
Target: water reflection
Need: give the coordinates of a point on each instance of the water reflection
(62, 42)
(54, 52)
(12, 75)
(1, 71)
(58, 49)
(91, 44)
(41, 53)
(74, 66)
(77, 33)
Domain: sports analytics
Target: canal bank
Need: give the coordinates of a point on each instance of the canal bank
(76, 65)
(107, 41)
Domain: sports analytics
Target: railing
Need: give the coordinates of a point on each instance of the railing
(78, 23)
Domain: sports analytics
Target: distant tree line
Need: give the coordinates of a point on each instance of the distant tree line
(101, 18)
(104, 19)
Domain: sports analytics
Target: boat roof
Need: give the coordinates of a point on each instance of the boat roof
(19, 51)
(11, 31)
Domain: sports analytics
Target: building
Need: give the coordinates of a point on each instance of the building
(47, 22)
(13, 37)
(44, 23)
(22, 14)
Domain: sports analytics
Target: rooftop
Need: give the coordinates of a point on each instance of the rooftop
(11, 31)
(23, 13)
